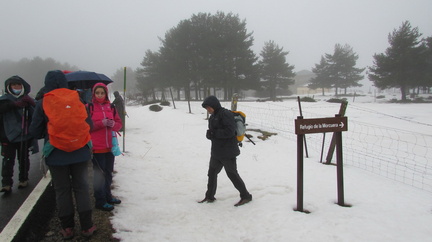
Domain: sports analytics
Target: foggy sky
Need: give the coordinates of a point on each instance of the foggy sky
(105, 35)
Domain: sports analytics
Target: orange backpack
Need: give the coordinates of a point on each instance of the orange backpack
(67, 126)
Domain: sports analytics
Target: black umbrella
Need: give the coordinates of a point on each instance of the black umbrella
(85, 79)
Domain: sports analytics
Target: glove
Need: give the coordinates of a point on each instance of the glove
(25, 101)
(209, 134)
(108, 122)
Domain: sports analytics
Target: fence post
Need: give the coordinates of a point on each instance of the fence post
(332, 146)
(304, 136)
(300, 171)
(124, 101)
(339, 169)
(172, 98)
(234, 102)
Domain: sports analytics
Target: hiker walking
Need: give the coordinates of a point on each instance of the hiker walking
(106, 120)
(224, 150)
(62, 119)
(16, 109)
(120, 107)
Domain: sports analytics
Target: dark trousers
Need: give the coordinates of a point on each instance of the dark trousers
(230, 166)
(67, 180)
(9, 152)
(103, 167)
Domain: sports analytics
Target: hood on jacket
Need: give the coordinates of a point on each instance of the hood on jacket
(54, 80)
(212, 102)
(16, 79)
(116, 94)
(100, 84)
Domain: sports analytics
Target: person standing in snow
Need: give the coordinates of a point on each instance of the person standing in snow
(120, 107)
(16, 109)
(224, 150)
(106, 120)
(69, 170)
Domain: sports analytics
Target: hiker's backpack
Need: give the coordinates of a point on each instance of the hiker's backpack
(67, 126)
(240, 120)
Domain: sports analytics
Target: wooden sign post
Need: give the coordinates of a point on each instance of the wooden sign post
(336, 125)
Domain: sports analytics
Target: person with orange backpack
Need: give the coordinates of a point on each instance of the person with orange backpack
(64, 122)
(106, 120)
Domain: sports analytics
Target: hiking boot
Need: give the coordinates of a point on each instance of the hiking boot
(67, 233)
(207, 200)
(89, 232)
(106, 207)
(6, 189)
(114, 201)
(243, 201)
(23, 184)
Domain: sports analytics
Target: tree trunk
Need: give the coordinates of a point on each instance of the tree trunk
(196, 91)
(188, 94)
(403, 93)
(178, 93)
(154, 94)
(163, 98)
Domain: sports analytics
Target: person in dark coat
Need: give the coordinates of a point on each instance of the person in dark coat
(120, 107)
(69, 170)
(16, 109)
(224, 150)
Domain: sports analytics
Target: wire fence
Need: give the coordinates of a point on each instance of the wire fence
(401, 155)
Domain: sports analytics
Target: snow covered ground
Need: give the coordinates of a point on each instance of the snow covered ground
(164, 173)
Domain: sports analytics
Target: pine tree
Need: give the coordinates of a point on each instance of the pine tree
(276, 73)
(322, 76)
(337, 70)
(210, 51)
(398, 66)
(343, 72)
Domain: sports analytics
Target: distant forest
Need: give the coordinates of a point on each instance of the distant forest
(31, 70)
(34, 71)
(210, 61)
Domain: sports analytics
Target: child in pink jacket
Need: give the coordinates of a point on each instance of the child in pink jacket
(105, 120)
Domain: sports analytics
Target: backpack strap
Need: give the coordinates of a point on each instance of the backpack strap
(91, 107)
(113, 108)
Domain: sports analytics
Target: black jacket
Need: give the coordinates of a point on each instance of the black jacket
(119, 104)
(222, 126)
(12, 117)
(120, 108)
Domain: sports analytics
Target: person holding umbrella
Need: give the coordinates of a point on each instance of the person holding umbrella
(16, 110)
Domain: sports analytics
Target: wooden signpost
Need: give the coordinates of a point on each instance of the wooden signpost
(336, 125)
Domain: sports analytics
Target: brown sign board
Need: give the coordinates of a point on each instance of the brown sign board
(321, 125)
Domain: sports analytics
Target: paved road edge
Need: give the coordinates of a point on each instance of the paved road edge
(12, 228)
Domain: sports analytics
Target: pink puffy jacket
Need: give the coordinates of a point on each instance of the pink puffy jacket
(101, 135)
